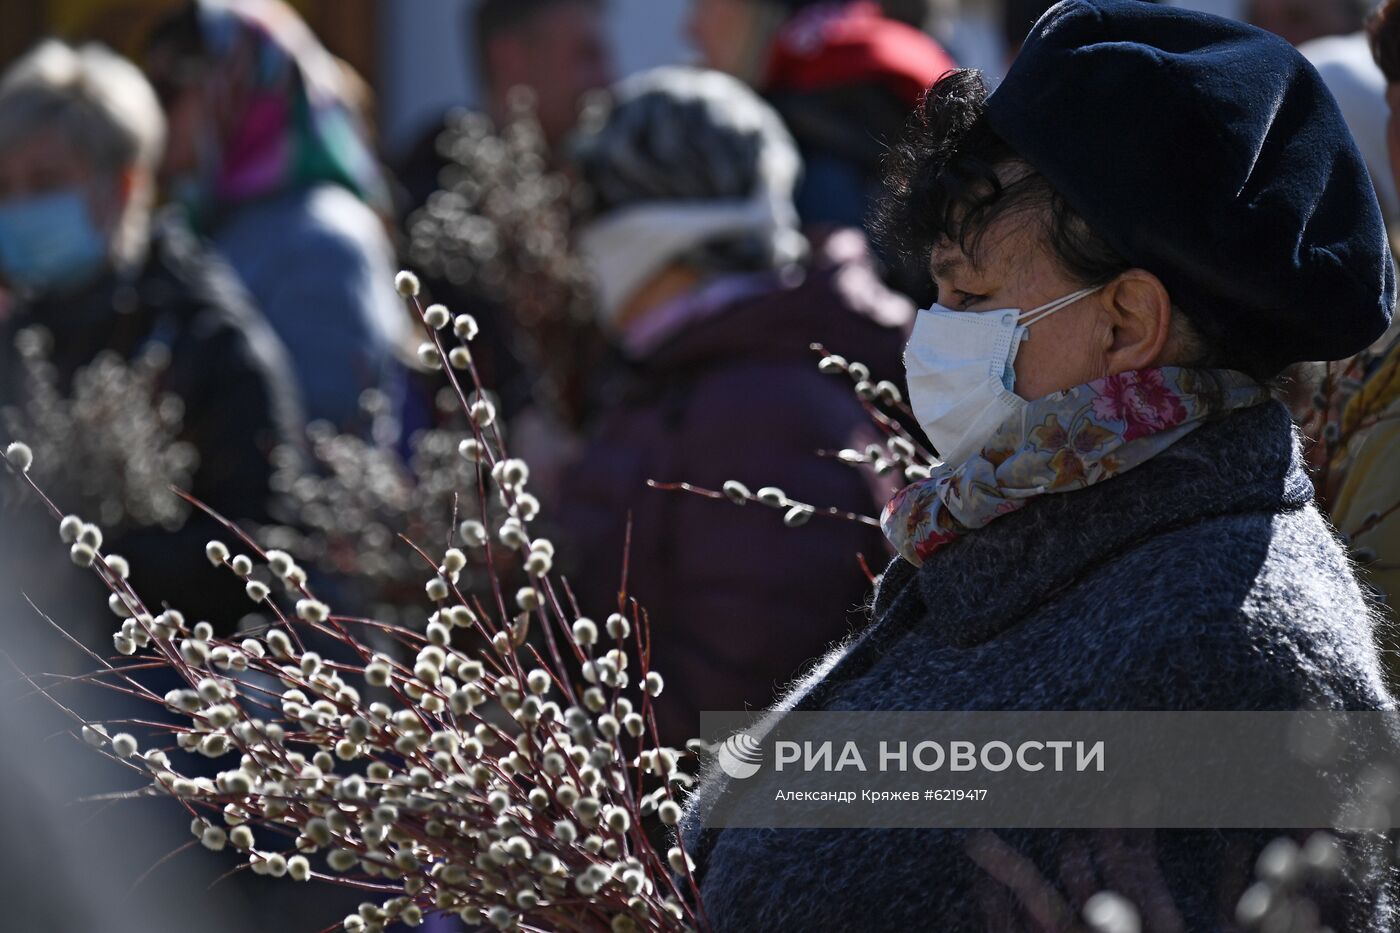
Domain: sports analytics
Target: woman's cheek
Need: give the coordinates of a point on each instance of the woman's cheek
(1054, 358)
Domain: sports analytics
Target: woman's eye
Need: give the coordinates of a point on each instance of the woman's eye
(966, 299)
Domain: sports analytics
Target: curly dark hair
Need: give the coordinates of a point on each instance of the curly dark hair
(942, 181)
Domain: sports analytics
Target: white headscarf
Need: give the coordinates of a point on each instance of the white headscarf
(678, 146)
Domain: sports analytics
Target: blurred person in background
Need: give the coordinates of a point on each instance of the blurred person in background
(1350, 72)
(843, 76)
(1367, 505)
(1332, 35)
(921, 14)
(972, 31)
(271, 161)
(81, 136)
(1300, 21)
(557, 52)
(557, 49)
(706, 287)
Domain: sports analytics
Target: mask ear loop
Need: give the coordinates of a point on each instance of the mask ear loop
(1036, 315)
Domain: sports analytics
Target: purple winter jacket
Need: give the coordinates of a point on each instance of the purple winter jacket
(739, 602)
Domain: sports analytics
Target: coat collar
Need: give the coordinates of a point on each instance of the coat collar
(989, 581)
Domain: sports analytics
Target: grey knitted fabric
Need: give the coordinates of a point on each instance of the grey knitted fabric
(1204, 579)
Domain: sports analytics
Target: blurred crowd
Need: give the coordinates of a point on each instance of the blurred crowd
(220, 216)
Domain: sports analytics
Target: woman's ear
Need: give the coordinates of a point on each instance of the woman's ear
(1140, 312)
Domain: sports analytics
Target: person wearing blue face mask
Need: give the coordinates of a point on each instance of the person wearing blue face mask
(85, 266)
(49, 238)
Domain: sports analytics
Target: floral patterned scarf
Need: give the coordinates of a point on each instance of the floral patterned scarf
(1060, 443)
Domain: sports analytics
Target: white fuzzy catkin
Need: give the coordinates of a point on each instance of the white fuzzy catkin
(19, 456)
(798, 516)
(377, 674)
(454, 561)
(773, 496)
(69, 528)
(341, 859)
(512, 473)
(512, 534)
(483, 413)
(1109, 912)
(298, 868)
(473, 533)
(471, 450)
(465, 326)
(407, 284)
(313, 610)
(429, 356)
(586, 632)
(679, 860)
(737, 492)
(90, 535)
(82, 554)
(280, 643)
(437, 317)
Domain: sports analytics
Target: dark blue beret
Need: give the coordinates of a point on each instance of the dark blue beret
(1209, 153)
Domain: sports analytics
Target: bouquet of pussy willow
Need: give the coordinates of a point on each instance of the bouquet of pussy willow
(502, 764)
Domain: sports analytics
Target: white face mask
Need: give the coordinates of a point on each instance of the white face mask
(960, 371)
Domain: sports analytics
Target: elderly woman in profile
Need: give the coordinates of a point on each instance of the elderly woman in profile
(1154, 215)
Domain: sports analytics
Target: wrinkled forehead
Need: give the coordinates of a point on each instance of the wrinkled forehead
(990, 229)
(1009, 243)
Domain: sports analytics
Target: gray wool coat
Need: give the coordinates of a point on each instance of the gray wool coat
(1204, 579)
